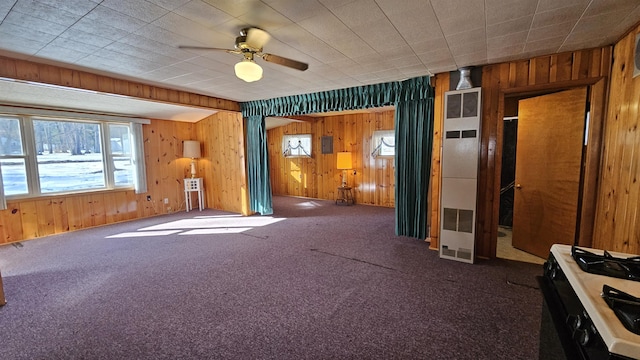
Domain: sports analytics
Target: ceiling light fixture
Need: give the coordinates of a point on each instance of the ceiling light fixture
(247, 69)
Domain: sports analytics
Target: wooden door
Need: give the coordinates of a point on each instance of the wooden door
(548, 160)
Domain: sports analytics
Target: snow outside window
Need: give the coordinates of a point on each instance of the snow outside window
(384, 143)
(296, 145)
(48, 156)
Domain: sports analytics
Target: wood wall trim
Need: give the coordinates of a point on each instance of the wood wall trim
(50, 74)
(569, 69)
(441, 85)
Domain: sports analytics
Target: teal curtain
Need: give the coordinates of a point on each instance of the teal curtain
(414, 140)
(413, 99)
(258, 166)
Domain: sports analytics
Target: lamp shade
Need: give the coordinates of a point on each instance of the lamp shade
(344, 161)
(248, 70)
(191, 149)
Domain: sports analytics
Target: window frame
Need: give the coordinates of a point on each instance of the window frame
(286, 151)
(377, 145)
(30, 154)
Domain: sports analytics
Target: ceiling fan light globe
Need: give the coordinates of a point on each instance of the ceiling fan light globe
(248, 70)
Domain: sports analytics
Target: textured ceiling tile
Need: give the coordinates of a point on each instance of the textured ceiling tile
(4, 9)
(550, 32)
(99, 29)
(326, 26)
(598, 7)
(496, 11)
(72, 44)
(509, 27)
(477, 58)
(145, 44)
(116, 19)
(597, 25)
(395, 7)
(505, 51)
(300, 39)
(547, 46)
(622, 25)
(469, 48)
(414, 26)
(169, 4)
(203, 13)
(457, 16)
(24, 20)
(501, 42)
(16, 43)
(45, 12)
(56, 52)
(26, 32)
(86, 38)
(465, 38)
(77, 7)
(430, 44)
(137, 52)
(139, 9)
(558, 16)
(353, 46)
(235, 8)
(577, 44)
(296, 10)
(264, 17)
(546, 5)
(383, 36)
(197, 33)
(360, 13)
(435, 56)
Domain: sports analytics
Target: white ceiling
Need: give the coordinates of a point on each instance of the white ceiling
(346, 43)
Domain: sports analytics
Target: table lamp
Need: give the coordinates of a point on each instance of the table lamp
(344, 164)
(191, 149)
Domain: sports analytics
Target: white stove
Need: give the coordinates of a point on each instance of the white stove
(588, 287)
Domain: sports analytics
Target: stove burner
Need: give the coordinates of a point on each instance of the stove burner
(606, 264)
(625, 306)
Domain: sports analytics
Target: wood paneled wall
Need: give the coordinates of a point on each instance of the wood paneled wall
(223, 162)
(50, 74)
(317, 177)
(31, 218)
(617, 215)
(537, 75)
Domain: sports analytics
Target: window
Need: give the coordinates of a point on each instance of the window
(384, 143)
(54, 155)
(12, 156)
(296, 145)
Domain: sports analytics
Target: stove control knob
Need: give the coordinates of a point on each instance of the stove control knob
(574, 322)
(583, 336)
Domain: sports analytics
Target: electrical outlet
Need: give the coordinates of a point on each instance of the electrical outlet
(148, 197)
(166, 200)
(169, 209)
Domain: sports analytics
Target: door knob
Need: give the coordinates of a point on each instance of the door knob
(518, 186)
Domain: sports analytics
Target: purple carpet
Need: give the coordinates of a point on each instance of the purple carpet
(315, 281)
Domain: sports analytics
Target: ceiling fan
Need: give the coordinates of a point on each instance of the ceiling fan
(249, 44)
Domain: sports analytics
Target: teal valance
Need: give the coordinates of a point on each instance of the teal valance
(360, 97)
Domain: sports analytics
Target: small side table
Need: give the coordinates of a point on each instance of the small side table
(191, 185)
(345, 196)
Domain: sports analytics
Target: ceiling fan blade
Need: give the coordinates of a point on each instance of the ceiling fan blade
(256, 38)
(285, 62)
(207, 48)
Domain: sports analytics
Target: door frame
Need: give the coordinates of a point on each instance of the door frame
(591, 160)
